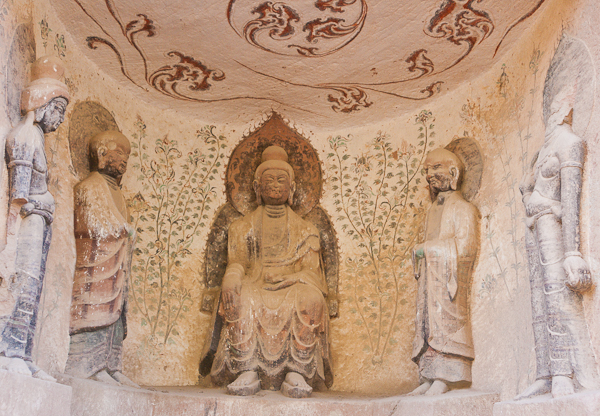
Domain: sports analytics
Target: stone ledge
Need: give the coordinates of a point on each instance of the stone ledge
(92, 398)
(27, 396)
(586, 403)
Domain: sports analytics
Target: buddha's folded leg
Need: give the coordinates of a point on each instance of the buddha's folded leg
(310, 310)
(236, 352)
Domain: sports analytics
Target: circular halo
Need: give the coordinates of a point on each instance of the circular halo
(468, 151)
(87, 119)
(246, 157)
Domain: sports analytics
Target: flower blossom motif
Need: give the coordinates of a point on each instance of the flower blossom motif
(381, 138)
(423, 117)
(362, 164)
(404, 152)
(196, 157)
(138, 203)
(337, 142)
(364, 191)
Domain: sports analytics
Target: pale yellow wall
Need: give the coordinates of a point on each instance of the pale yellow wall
(501, 110)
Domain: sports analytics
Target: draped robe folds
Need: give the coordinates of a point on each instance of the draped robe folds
(279, 330)
(99, 296)
(443, 345)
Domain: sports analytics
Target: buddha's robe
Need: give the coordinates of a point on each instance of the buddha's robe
(99, 299)
(443, 344)
(275, 328)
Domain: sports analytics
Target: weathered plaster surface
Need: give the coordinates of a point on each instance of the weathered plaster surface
(371, 339)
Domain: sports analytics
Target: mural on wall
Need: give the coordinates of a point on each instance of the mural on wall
(57, 42)
(514, 104)
(376, 207)
(306, 28)
(327, 25)
(175, 80)
(177, 197)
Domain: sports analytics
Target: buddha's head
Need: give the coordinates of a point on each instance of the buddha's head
(274, 178)
(443, 170)
(109, 152)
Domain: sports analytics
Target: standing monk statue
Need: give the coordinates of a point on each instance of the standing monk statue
(443, 264)
(273, 315)
(558, 274)
(44, 101)
(104, 240)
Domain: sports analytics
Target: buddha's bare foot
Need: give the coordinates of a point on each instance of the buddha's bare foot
(246, 384)
(37, 372)
(124, 380)
(438, 387)
(422, 389)
(539, 387)
(15, 365)
(562, 386)
(295, 386)
(104, 377)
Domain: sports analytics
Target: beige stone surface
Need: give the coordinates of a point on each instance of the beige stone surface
(92, 398)
(27, 396)
(501, 109)
(586, 403)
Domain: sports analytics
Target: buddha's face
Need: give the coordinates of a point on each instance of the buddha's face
(113, 161)
(275, 187)
(438, 173)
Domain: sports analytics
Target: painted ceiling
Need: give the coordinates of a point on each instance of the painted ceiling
(331, 62)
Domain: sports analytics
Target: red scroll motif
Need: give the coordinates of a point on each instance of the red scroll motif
(458, 22)
(305, 28)
(275, 18)
(187, 71)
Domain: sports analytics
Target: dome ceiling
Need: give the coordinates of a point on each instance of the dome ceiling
(328, 62)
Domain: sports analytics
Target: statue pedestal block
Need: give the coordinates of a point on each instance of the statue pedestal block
(91, 398)
(586, 403)
(454, 403)
(27, 396)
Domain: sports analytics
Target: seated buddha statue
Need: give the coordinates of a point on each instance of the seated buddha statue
(272, 314)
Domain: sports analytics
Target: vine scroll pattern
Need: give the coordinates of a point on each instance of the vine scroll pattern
(375, 202)
(170, 212)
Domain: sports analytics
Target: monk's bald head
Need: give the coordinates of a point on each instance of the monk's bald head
(444, 171)
(109, 152)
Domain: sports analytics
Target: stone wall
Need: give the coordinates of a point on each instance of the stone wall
(371, 340)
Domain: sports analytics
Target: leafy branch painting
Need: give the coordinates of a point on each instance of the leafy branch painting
(374, 197)
(177, 196)
(505, 125)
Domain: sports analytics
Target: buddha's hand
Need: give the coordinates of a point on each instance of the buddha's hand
(579, 278)
(231, 290)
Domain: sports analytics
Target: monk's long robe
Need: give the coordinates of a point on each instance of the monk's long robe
(99, 297)
(443, 344)
(275, 331)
